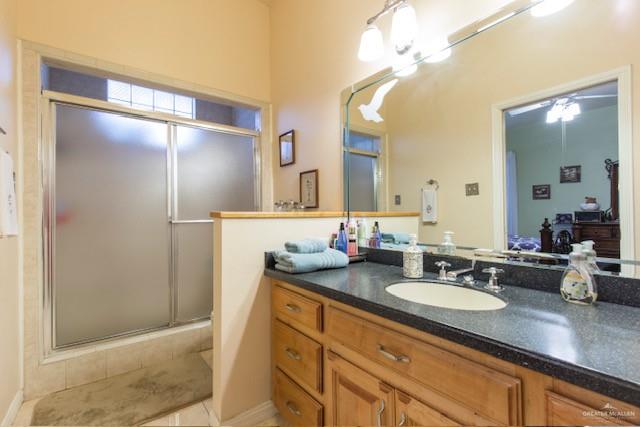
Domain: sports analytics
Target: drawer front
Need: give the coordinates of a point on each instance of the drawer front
(411, 412)
(298, 355)
(601, 233)
(562, 411)
(296, 309)
(294, 404)
(491, 393)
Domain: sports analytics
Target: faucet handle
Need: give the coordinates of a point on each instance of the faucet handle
(442, 275)
(493, 284)
(443, 264)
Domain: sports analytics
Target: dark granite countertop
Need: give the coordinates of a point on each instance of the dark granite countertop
(596, 347)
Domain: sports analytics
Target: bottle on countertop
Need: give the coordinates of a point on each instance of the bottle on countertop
(342, 242)
(591, 255)
(376, 236)
(447, 247)
(412, 265)
(352, 245)
(362, 233)
(578, 284)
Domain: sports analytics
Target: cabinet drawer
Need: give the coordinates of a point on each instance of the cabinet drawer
(562, 411)
(294, 404)
(411, 412)
(296, 309)
(298, 355)
(491, 393)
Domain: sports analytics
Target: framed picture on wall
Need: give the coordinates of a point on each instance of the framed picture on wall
(570, 174)
(542, 192)
(309, 188)
(287, 148)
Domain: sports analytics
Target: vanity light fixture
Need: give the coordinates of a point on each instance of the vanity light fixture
(549, 7)
(404, 29)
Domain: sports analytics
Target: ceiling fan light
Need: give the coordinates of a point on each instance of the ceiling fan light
(404, 28)
(371, 45)
(549, 7)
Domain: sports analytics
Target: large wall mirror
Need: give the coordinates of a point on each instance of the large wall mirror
(521, 139)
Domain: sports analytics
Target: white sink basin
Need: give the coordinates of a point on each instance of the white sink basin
(446, 296)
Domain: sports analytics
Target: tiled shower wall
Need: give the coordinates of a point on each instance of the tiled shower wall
(44, 377)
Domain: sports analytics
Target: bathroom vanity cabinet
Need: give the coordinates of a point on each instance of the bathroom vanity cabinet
(337, 365)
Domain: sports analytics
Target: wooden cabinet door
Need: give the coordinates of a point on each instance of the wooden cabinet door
(412, 412)
(357, 398)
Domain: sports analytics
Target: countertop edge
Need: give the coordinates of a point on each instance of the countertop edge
(310, 214)
(589, 379)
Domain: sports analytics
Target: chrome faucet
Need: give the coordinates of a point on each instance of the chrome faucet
(493, 284)
(442, 275)
(453, 275)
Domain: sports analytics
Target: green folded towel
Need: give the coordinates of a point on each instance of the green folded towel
(306, 263)
(306, 246)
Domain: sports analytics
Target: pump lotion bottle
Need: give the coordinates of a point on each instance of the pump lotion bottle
(412, 260)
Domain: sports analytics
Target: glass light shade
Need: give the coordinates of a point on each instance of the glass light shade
(404, 28)
(437, 50)
(549, 7)
(371, 45)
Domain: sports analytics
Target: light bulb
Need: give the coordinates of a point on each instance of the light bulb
(437, 50)
(549, 7)
(371, 45)
(552, 117)
(404, 28)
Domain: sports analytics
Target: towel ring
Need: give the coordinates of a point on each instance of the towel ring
(434, 183)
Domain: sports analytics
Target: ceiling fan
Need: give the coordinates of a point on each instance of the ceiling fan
(565, 107)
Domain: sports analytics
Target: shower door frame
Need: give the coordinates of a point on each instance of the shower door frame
(49, 100)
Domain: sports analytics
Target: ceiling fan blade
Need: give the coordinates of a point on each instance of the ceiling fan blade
(528, 108)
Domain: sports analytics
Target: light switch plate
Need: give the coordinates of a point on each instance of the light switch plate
(398, 200)
(472, 189)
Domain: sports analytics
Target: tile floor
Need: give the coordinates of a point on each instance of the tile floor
(194, 415)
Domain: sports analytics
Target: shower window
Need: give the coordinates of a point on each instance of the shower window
(128, 238)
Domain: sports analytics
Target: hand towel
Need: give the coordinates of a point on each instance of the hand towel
(306, 263)
(429, 205)
(306, 246)
(395, 237)
(8, 202)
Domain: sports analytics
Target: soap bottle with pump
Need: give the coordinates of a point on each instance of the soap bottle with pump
(412, 267)
(447, 247)
(352, 245)
(342, 242)
(578, 284)
(590, 253)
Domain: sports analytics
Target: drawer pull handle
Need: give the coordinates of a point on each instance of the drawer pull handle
(293, 354)
(396, 358)
(293, 308)
(379, 414)
(403, 419)
(293, 409)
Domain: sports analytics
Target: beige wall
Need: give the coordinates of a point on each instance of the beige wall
(314, 57)
(439, 121)
(9, 316)
(222, 44)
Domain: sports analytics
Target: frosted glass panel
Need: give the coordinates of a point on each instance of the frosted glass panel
(362, 178)
(111, 225)
(215, 173)
(194, 271)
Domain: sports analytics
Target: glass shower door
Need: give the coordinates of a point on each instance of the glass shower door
(214, 171)
(111, 239)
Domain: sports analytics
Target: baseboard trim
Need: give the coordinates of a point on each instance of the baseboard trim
(252, 417)
(12, 412)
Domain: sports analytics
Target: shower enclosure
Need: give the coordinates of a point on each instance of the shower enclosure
(128, 239)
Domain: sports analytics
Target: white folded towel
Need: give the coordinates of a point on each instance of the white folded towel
(8, 202)
(429, 205)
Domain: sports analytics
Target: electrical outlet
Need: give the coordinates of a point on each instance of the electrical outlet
(472, 189)
(398, 200)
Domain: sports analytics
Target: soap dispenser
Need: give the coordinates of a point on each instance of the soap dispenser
(412, 260)
(578, 284)
(447, 247)
(590, 253)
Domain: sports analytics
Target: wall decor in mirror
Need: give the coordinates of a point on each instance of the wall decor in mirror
(536, 109)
